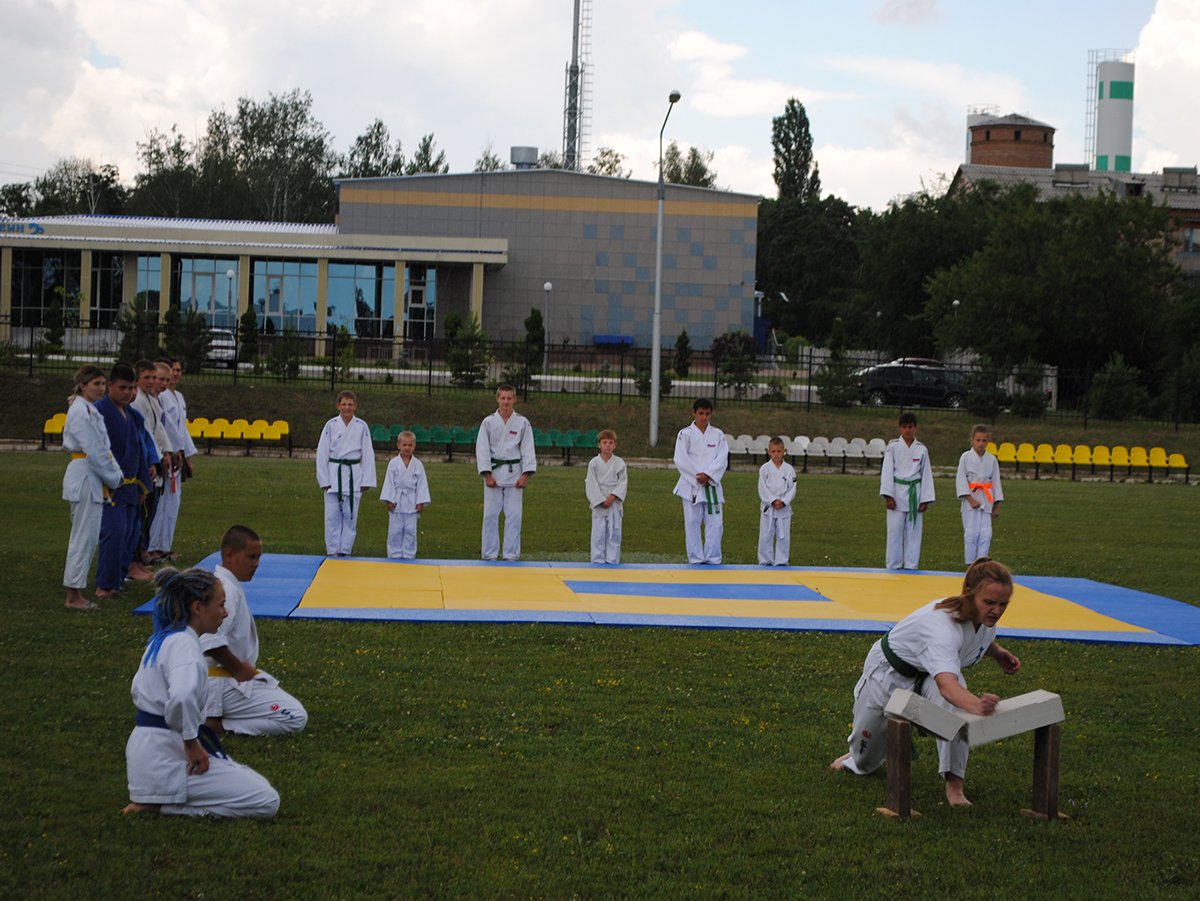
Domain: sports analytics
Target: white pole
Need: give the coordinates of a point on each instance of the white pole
(546, 334)
(656, 328)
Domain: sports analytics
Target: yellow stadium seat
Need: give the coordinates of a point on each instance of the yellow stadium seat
(991, 448)
(53, 426)
(1178, 461)
(1025, 454)
(1007, 452)
(1140, 459)
(1101, 457)
(197, 426)
(1119, 458)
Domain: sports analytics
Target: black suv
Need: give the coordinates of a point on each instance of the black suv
(929, 385)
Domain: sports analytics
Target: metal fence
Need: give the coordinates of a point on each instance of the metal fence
(618, 372)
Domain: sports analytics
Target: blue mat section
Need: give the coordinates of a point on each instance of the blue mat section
(1150, 611)
(277, 587)
(719, 591)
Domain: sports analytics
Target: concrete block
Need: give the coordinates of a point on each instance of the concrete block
(1012, 716)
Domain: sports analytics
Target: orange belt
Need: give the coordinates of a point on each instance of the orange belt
(987, 489)
(78, 456)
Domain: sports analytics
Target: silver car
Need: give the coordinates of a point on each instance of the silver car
(222, 347)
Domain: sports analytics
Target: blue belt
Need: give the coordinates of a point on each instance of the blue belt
(208, 738)
(153, 720)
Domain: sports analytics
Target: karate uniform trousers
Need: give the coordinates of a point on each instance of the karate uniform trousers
(606, 532)
(255, 707)
(703, 505)
(83, 486)
(174, 688)
(605, 477)
(775, 526)
(119, 523)
(497, 441)
(162, 529)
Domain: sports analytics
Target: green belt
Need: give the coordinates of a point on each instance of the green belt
(903, 667)
(342, 465)
(509, 463)
(710, 499)
(914, 496)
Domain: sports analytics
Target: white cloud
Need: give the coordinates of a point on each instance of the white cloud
(1167, 69)
(908, 12)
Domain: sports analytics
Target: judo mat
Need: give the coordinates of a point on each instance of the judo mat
(736, 597)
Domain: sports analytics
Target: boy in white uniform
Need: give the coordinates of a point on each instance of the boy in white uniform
(174, 410)
(701, 456)
(776, 491)
(241, 697)
(978, 484)
(505, 457)
(906, 485)
(151, 378)
(345, 469)
(606, 485)
(406, 492)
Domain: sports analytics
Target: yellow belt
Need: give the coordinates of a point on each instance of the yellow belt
(78, 456)
(220, 672)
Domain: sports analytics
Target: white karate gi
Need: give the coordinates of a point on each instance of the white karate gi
(605, 477)
(931, 641)
(404, 486)
(345, 466)
(174, 687)
(505, 449)
(151, 410)
(775, 526)
(166, 515)
(977, 521)
(83, 485)
(703, 506)
(256, 707)
(910, 464)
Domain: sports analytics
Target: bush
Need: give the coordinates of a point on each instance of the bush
(344, 355)
(467, 352)
(641, 379)
(248, 336)
(683, 355)
(835, 381)
(186, 337)
(139, 335)
(1115, 392)
(283, 360)
(985, 395)
(1030, 399)
(736, 361)
(776, 392)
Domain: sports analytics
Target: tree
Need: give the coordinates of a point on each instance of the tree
(248, 335)
(169, 184)
(16, 200)
(186, 337)
(796, 173)
(736, 361)
(551, 159)
(76, 185)
(695, 169)
(535, 339)
(608, 162)
(466, 350)
(683, 354)
(427, 158)
(488, 160)
(372, 155)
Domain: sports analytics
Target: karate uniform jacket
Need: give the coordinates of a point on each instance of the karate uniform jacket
(500, 440)
(900, 461)
(126, 438)
(346, 441)
(85, 433)
(776, 483)
(605, 478)
(405, 486)
(697, 452)
(974, 469)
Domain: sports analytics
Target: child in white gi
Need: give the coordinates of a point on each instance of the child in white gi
(776, 491)
(505, 457)
(173, 762)
(606, 485)
(701, 456)
(906, 485)
(345, 469)
(406, 492)
(174, 408)
(91, 473)
(241, 697)
(978, 484)
(926, 653)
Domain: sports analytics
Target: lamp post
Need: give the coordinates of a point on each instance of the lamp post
(656, 329)
(548, 287)
(230, 274)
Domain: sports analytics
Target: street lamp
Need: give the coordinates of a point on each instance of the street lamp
(955, 305)
(546, 332)
(656, 330)
(229, 274)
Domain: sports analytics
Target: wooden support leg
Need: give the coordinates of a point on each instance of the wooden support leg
(1047, 743)
(899, 770)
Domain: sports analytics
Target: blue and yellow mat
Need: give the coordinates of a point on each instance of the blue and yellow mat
(735, 597)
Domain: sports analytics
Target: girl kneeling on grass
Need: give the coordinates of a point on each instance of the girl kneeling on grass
(926, 652)
(174, 763)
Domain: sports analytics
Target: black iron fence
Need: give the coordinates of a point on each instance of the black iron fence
(815, 376)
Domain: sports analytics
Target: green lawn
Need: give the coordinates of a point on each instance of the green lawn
(557, 761)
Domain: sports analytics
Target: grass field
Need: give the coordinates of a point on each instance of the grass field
(461, 760)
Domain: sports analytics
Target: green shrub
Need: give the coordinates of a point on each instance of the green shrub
(283, 360)
(1115, 392)
(736, 361)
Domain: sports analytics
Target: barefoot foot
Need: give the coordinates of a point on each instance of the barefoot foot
(840, 763)
(135, 807)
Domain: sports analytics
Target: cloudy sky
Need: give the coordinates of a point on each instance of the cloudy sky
(886, 83)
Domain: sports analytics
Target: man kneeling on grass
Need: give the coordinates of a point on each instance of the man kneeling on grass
(242, 698)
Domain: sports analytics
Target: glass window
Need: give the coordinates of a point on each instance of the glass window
(149, 282)
(206, 285)
(108, 275)
(420, 312)
(284, 294)
(38, 278)
(361, 298)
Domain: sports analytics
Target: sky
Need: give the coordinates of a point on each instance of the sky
(886, 83)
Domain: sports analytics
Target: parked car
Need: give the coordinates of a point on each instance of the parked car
(904, 383)
(222, 347)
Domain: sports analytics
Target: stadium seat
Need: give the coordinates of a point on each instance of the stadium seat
(195, 427)
(380, 434)
(1043, 455)
(53, 426)
(1119, 457)
(1080, 456)
(1064, 456)
(1006, 453)
(1141, 460)
(566, 444)
(1025, 454)
(991, 448)
(854, 452)
(875, 450)
(1101, 457)
(1177, 462)
(1158, 460)
(285, 431)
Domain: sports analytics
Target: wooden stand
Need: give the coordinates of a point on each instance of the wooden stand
(1047, 743)
(899, 770)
